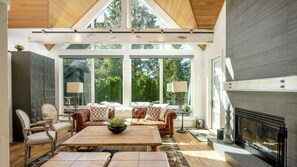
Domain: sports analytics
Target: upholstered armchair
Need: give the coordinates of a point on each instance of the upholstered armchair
(35, 134)
(50, 114)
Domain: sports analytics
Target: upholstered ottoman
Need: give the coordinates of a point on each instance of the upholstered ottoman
(139, 159)
(81, 159)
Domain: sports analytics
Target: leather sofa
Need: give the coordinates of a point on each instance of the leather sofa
(82, 118)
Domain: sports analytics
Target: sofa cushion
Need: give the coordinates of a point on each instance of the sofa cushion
(123, 112)
(99, 113)
(153, 113)
(95, 123)
(160, 124)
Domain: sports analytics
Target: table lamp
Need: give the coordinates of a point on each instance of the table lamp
(178, 87)
(76, 88)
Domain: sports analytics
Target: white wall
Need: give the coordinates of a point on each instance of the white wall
(216, 49)
(20, 36)
(4, 119)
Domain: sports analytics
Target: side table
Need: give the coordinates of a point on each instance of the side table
(70, 112)
(182, 130)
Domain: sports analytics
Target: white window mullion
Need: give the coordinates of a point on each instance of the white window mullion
(161, 70)
(92, 80)
(127, 77)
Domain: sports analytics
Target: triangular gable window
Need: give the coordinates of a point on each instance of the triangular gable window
(110, 17)
(141, 17)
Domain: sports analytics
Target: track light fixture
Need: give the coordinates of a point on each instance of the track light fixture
(110, 30)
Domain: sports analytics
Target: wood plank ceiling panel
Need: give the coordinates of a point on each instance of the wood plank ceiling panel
(206, 12)
(65, 13)
(28, 14)
(180, 11)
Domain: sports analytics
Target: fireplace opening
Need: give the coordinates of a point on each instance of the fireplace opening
(263, 135)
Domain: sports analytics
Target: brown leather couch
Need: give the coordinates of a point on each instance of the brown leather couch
(138, 114)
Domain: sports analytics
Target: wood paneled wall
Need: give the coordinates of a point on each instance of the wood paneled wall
(262, 43)
(28, 14)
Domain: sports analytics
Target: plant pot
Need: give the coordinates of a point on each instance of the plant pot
(117, 130)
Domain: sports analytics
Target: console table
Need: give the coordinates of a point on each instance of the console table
(182, 130)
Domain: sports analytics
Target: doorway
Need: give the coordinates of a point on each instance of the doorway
(216, 92)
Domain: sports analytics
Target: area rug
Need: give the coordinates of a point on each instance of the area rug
(202, 134)
(169, 146)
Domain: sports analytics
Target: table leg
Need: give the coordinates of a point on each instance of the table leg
(71, 149)
(154, 148)
(181, 130)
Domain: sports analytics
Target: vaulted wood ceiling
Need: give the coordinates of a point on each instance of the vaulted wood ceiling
(47, 13)
(64, 13)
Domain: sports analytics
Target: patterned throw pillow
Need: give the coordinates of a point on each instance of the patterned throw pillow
(153, 113)
(99, 114)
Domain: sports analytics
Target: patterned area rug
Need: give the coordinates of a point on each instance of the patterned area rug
(202, 134)
(169, 146)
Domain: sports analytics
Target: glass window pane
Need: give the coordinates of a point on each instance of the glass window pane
(142, 17)
(110, 17)
(145, 46)
(77, 70)
(108, 80)
(145, 80)
(176, 69)
(95, 46)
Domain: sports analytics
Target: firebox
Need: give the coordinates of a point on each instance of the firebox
(263, 135)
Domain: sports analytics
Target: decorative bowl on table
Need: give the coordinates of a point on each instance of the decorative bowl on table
(117, 125)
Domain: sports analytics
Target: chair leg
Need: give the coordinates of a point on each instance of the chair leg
(71, 132)
(52, 148)
(26, 155)
(29, 151)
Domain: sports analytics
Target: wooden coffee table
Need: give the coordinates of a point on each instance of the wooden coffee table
(101, 136)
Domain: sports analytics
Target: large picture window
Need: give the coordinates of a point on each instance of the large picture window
(146, 76)
(176, 69)
(108, 80)
(77, 70)
(145, 80)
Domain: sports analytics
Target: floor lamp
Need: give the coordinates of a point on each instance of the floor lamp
(178, 87)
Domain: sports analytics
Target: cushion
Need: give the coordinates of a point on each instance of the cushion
(140, 104)
(123, 112)
(153, 113)
(164, 108)
(99, 114)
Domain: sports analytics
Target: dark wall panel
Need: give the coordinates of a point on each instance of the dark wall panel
(262, 43)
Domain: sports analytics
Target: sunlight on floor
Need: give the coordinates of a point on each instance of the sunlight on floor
(204, 154)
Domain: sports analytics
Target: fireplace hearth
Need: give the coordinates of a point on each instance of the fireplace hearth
(263, 135)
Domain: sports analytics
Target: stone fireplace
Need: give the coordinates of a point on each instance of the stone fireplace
(263, 135)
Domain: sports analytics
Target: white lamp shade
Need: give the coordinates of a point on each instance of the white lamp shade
(177, 86)
(75, 87)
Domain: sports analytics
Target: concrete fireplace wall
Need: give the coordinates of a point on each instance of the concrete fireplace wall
(262, 43)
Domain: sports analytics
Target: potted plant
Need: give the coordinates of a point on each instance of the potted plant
(19, 47)
(117, 125)
(186, 108)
